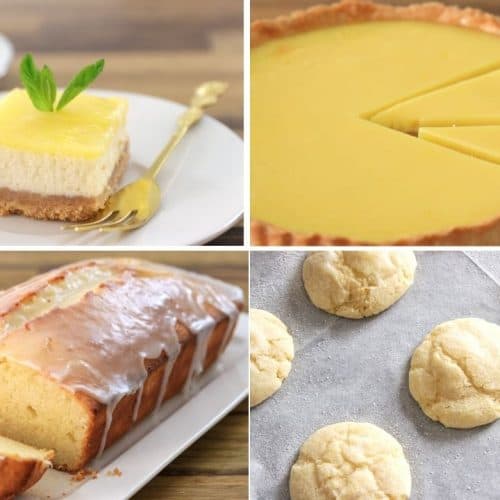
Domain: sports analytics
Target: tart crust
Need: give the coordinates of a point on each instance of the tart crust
(352, 11)
(60, 207)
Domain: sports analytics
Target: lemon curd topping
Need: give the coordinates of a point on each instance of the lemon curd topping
(324, 158)
(85, 128)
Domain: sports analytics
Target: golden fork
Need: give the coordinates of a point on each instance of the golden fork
(134, 205)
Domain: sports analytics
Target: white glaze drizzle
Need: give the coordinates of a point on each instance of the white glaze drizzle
(165, 379)
(198, 358)
(130, 317)
(220, 302)
(58, 293)
(138, 401)
(227, 334)
(110, 409)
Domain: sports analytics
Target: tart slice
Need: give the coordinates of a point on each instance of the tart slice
(481, 142)
(21, 466)
(59, 162)
(472, 101)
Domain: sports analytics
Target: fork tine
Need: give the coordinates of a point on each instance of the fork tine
(87, 226)
(115, 224)
(125, 227)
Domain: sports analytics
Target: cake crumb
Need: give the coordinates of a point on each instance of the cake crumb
(84, 474)
(115, 472)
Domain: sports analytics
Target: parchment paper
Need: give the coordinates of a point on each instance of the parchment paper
(357, 370)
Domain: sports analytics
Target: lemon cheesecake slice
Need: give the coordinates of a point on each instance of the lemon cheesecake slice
(338, 96)
(61, 165)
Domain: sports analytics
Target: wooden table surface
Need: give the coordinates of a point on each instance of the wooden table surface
(216, 466)
(163, 48)
(262, 9)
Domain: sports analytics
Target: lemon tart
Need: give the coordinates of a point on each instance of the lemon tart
(60, 165)
(374, 124)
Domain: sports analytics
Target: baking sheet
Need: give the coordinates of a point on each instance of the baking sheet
(357, 370)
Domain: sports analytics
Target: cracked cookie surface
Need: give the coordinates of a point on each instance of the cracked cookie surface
(455, 373)
(271, 355)
(350, 461)
(357, 284)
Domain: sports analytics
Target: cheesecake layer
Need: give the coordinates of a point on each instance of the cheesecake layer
(62, 207)
(84, 129)
(57, 174)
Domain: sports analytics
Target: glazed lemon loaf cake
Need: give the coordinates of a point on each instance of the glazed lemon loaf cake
(21, 466)
(88, 350)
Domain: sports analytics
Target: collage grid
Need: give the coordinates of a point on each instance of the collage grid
(249, 249)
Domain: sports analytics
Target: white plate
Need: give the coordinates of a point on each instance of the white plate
(151, 446)
(202, 183)
(6, 55)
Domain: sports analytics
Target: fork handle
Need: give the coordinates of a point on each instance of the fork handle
(189, 118)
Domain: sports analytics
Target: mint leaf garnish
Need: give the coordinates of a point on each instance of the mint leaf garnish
(48, 86)
(32, 80)
(80, 82)
(41, 85)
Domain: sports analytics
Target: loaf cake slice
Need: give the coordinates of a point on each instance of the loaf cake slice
(21, 467)
(88, 350)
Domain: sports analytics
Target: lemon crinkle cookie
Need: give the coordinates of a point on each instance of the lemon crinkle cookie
(357, 284)
(271, 355)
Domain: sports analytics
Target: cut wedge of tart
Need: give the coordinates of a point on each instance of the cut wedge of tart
(21, 466)
(472, 101)
(346, 102)
(481, 142)
(61, 165)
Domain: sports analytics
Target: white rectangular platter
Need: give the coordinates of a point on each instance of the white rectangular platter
(158, 440)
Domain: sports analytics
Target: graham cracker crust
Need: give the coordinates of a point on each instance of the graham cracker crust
(60, 207)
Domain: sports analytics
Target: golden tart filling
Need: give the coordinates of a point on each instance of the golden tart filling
(328, 111)
(472, 101)
(481, 142)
